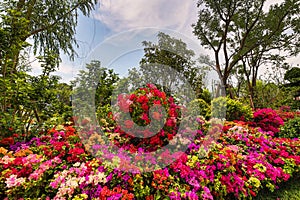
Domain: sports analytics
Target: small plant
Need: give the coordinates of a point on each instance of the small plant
(234, 109)
(291, 129)
(200, 107)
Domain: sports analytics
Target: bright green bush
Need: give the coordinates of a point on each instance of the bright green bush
(291, 129)
(199, 107)
(231, 109)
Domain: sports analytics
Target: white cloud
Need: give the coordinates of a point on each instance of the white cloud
(121, 15)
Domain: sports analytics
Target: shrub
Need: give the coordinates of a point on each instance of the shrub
(199, 107)
(149, 112)
(286, 114)
(291, 129)
(267, 119)
(234, 109)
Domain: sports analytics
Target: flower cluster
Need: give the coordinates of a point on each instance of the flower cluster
(148, 118)
(268, 120)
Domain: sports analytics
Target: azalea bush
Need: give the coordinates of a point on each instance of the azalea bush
(267, 119)
(285, 113)
(151, 114)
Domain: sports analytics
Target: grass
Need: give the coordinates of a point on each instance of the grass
(289, 190)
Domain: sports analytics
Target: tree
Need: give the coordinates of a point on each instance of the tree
(241, 33)
(174, 54)
(293, 77)
(51, 26)
(93, 88)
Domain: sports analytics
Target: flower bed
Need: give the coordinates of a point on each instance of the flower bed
(236, 161)
(239, 164)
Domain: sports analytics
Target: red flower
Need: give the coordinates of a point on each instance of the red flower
(156, 102)
(252, 193)
(75, 155)
(132, 97)
(145, 117)
(145, 107)
(7, 141)
(142, 99)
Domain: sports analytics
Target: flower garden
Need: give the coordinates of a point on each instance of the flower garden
(60, 163)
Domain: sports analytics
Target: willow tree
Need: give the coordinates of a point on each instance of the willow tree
(50, 24)
(247, 34)
(48, 27)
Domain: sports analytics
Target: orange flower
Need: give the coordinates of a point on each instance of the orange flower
(3, 150)
(23, 152)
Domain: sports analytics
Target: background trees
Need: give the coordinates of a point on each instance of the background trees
(174, 53)
(244, 34)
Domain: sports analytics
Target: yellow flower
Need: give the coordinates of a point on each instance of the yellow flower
(80, 197)
(254, 181)
(260, 167)
(3, 150)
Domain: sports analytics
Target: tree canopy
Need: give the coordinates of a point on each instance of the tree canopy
(246, 34)
(174, 53)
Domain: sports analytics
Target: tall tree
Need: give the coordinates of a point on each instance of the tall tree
(173, 53)
(93, 88)
(242, 33)
(50, 26)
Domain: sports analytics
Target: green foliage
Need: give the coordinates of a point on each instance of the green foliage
(291, 129)
(104, 115)
(29, 101)
(93, 89)
(231, 108)
(206, 95)
(293, 76)
(287, 190)
(199, 106)
(25, 22)
(269, 95)
(171, 52)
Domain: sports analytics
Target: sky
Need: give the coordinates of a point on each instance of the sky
(115, 30)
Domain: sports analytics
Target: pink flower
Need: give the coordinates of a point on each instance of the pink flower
(14, 181)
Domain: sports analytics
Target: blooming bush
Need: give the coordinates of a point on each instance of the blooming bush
(286, 114)
(151, 114)
(267, 119)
